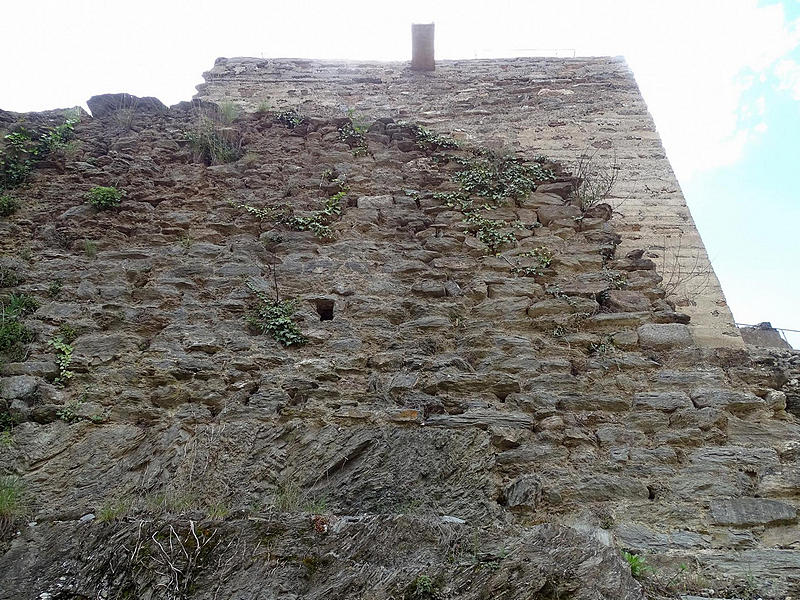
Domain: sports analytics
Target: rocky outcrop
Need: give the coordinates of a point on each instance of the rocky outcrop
(290, 556)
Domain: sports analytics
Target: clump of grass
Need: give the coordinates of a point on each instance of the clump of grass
(228, 112)
(13, 337)
(12, 501)
(8, 205)
(287, 497)
(316, 505)
(213, 141)
(7, 423)
(105, 197)
(9, 277)
(217, 510)
(114, 509)
(90, 249)
(20, 305)
(54, 289)
(171, 502)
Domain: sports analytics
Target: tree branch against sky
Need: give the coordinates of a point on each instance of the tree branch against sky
(721, 78)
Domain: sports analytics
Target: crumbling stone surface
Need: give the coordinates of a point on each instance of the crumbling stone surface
(439, 380)
(289, 556)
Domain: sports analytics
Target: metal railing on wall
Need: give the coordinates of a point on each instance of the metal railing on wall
(781, 330)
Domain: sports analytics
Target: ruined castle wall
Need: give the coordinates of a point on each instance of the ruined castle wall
(459, 422)
(554, 106)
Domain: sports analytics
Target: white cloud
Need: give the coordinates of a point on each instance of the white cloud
(697, 71)
(695, 60)
(788, 73)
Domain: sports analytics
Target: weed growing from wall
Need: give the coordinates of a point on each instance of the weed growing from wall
(354, 137)
(12, 502)
(112, 510)
(20, 305)
(289, 118)
(90, 249)
(13, 333)
(493, 179)
(498, 178)
(63, 358)
(686, 276)
(274, 317)
(638, 564)
(539, 259)
(21, 153)
(8, 205)
(212, 140)
(318, 222)
(430, 141)
(491, 232)
(104, 197)
(9, 277)
(595, 180)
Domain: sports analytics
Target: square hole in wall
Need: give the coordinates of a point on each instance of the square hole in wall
(325, 310)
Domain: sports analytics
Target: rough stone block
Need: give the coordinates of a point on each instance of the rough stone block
(375, 202)
(525, 492)
(626, 301)
(742, 512)
(664, 401)
(730, 400)
(555, 306)
(664, 336)
(605, 403)
(642, 539)
(598, 488)
(549, 214)
(19, 387)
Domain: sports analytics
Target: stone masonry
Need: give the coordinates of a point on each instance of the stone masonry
(492, 393)
(554, 106)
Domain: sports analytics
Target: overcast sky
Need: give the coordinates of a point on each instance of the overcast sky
(721, 78)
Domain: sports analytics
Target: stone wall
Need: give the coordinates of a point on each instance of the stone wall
(463, 422)
(555, 106)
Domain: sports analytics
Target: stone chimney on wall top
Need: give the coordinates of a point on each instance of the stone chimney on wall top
(422, 47)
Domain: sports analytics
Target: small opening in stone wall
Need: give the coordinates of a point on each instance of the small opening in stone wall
(325, 310)
(651, 492)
